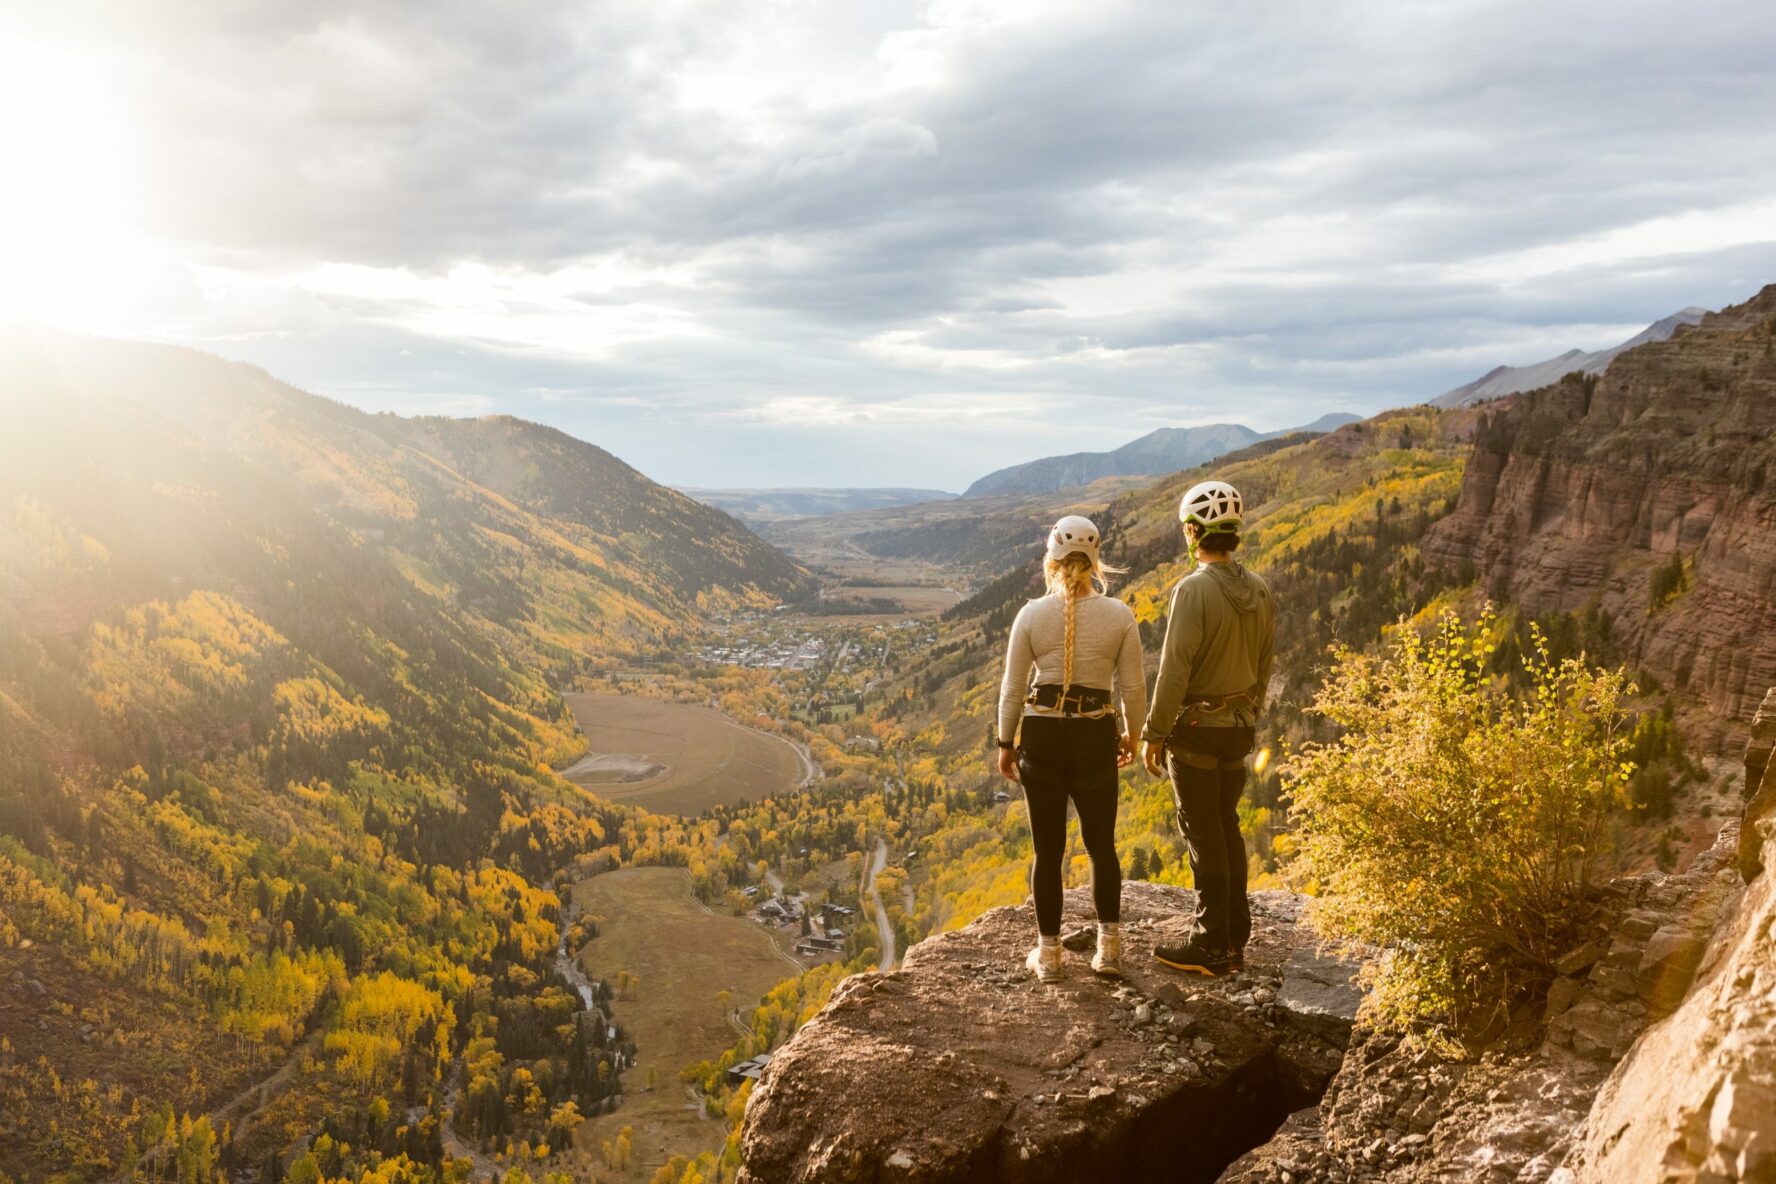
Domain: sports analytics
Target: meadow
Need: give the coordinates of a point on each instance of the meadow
(676, 758)
(916, 600)
(681, 957)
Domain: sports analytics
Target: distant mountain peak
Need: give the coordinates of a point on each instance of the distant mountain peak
(1163, 450)
(1510, 380)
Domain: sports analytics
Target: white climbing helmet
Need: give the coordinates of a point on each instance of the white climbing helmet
(1215, 506)
(1074, 533)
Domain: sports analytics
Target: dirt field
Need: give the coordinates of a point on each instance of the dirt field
(652, 927)
(676, 758)
(918, 600)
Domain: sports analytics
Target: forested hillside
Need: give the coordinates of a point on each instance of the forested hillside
(277, 725)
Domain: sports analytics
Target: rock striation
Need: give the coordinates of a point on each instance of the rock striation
(960, 1067)
(1648, 492)
(1758, 822)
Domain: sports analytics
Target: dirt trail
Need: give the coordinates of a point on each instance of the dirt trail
(240, 1110)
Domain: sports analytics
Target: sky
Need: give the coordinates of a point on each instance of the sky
(881, 244)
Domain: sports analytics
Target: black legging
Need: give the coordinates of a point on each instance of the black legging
(1059, 760)
(1208, 777)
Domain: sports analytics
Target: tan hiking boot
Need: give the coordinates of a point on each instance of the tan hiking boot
(1045, 962)
(1108, 960)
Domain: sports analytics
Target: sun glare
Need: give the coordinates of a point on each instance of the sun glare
(64, 257)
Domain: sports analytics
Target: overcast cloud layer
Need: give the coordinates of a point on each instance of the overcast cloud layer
(806, 243)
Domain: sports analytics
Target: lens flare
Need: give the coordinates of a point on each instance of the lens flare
(1261, 762)
(67, 260)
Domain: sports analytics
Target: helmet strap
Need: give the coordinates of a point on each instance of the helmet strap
(1190, 541)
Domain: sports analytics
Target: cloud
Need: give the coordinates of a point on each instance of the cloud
(906, 236)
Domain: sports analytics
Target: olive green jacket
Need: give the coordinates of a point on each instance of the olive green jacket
(1218, 642)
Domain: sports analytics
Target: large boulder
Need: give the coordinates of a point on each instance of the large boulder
(960, 1067)
(1320, 994)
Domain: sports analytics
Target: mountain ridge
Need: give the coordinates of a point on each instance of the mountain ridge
(1505, 380)
(383, 473)
(1161, 451)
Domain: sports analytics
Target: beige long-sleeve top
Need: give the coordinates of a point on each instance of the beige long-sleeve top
(1106, 655)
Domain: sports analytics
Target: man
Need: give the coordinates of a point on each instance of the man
(1213, 673)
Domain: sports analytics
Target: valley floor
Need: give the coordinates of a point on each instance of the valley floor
(683, 955)
(677, 758)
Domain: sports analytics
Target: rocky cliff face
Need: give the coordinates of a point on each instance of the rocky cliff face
(1651, 492)
(1694, 1102)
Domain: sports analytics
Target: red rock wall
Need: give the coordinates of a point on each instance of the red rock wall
(1576, 494)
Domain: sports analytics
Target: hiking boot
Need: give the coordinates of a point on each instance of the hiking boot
(1195, 959)
(1108, 960)
(1044, 962)
(1236, 961)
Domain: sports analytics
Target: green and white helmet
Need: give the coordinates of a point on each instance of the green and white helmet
(1215, 506)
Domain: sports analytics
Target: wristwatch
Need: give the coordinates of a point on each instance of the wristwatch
(1008, 745)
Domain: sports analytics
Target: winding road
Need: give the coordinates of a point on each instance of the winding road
(883, 929)
(810, 771)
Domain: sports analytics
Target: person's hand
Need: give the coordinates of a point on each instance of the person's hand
(1153, 756)
(1125, 751)
(1008, 765)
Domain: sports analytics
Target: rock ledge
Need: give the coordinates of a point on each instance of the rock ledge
(960, 1067)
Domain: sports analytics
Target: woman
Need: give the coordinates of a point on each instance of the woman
(1078, 640)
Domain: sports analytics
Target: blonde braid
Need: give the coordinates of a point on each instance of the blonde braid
(1071, 577)
(1072, 600)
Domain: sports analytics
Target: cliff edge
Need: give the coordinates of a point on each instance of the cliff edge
(1653, 1060)
(960, 1067)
